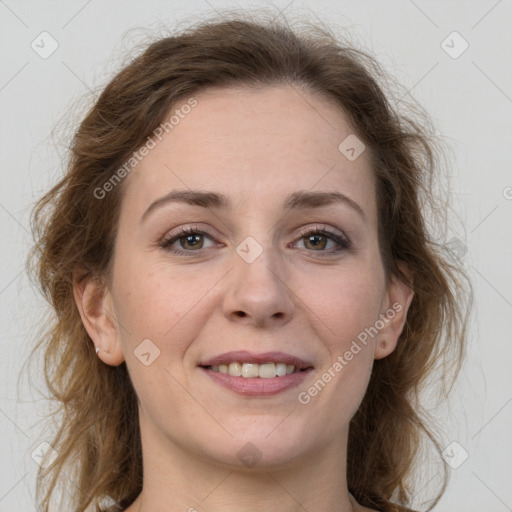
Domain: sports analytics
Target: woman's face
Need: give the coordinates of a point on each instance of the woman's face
(280, 263)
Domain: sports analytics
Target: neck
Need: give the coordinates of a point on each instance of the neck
(176, 480)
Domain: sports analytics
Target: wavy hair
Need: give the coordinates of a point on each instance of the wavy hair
(99, 453)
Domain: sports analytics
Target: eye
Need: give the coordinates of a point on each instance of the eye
(188, 239)
(320, 239)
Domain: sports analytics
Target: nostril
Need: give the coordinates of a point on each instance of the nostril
(240, 313)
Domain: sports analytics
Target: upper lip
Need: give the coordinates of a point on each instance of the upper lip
(243, 356)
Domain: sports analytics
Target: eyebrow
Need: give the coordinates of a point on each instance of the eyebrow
(301, 200)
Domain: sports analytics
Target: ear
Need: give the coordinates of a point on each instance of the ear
(393, 313)
(94, 302)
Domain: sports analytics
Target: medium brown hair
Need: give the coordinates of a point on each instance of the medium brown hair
(98, 440)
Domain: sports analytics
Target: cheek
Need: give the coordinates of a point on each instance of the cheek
(344, 301)
(169, 308)
(160, 303)
(342, 310)
(343, 305)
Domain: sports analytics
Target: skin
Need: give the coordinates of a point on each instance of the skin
(256, 147)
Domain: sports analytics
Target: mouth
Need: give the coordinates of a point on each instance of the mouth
(254, 370)
(257, 374)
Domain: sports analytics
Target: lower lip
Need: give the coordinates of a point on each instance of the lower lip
(258, 386)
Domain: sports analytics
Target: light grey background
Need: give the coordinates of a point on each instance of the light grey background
(469, 97)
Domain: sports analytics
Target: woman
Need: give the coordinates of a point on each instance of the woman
(247, 299)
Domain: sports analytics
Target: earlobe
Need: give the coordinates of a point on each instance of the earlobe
(94, 303)
(393, 318)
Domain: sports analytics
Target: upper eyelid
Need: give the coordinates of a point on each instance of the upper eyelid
(205, 231)
(322, 228)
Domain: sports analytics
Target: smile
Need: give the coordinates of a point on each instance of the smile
(255, 370)
(252, 374)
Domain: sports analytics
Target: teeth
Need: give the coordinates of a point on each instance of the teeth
(267, 371)
(281, 369)
(250, 370)
(255, 370)
(235, 369)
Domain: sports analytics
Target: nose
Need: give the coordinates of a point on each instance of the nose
(258, 293)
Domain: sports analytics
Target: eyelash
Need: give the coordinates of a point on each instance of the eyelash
(343, 242)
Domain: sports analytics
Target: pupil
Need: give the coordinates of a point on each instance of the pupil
(316, 240)
(192, 240)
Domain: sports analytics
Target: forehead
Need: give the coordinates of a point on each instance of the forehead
(253, 145)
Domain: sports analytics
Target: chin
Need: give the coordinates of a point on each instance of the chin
(260, 446)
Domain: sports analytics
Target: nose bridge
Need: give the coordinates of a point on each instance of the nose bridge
(258, 290)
